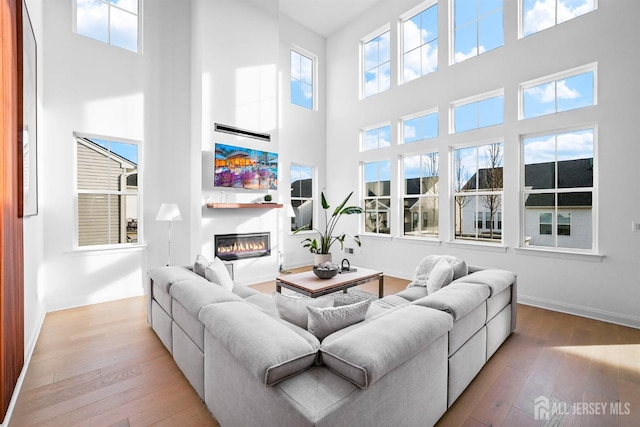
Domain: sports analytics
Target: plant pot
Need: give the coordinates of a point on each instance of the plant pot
(321, 258)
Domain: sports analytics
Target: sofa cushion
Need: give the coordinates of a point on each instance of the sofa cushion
(496, 280)
(195, 293)
(441, 275)
(413, 293)
(384, 304)
(366, 353)
(216, 272)
(294, 308)
(264, 302)
(164, 277)
(200, 265)
(457, 299)
(325, 321)
(243, 291)
(260, 343)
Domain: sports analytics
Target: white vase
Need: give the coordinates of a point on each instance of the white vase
(321, 258)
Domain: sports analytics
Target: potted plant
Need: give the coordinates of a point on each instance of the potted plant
(321, 246)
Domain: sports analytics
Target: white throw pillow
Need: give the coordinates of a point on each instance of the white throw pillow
(217, 273)
(293, 309)
(325, 321)
(441, 275)
(200, 265)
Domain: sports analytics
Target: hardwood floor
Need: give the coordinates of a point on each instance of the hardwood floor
(102, 365)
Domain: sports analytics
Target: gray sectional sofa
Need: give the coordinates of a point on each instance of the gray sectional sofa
(405, 364)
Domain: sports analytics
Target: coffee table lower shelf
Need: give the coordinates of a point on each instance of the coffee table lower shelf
(309, 284)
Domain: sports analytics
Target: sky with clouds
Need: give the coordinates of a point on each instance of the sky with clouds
(114, 21)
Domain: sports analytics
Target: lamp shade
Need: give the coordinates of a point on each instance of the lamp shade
(169, 212)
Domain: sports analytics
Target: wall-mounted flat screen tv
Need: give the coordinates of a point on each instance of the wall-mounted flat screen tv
(238, 167)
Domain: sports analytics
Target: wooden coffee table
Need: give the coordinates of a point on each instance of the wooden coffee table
(312, 286)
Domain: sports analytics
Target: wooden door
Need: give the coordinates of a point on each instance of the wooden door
(11, 255)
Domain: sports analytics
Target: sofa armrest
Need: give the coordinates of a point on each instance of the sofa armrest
(366, 353)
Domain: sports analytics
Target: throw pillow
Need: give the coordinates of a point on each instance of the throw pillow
(325, 321)
(441, 275)
(217, 273)
(199, 266)
(293, 309)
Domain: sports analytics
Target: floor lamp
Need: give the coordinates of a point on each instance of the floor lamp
(169, 212)
(288, 213)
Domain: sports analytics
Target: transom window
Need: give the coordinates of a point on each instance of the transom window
(538, 15)
(477, 27)
(478, 189)
(379, 137)
(420, 44)
(301, 80)
(377, 64)
(107, 191)
(377, 199)
(558, 189)
(420, 128)
(420, 195)
(114, 22)
(567, 91)
(474, 114)
(302, 196)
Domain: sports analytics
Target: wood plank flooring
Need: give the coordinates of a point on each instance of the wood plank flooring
(102, 365)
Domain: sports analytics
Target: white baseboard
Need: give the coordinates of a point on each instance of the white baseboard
(591, 313)
(30, 347)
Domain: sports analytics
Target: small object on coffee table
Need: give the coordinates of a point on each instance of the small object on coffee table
(307, 283)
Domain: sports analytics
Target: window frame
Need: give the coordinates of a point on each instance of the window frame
(521, 21)
(363, 70)
(523, 244)
(365, 197)
(363, 136)
(422, 220)
(475, 99)
(477, 192)
(412, 13)
(314, 76)
(554, 78)
(452, 35)
(313, 193)
(109, 4)
(139, 194)
(419, 115)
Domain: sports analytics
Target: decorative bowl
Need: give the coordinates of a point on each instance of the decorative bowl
(325, 273)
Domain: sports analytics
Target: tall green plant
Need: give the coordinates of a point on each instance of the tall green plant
(327, 239)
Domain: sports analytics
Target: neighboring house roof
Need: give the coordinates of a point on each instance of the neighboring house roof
(300, 187)
(489, 178)
(576, 173)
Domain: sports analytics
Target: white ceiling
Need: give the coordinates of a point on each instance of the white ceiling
(324, 16)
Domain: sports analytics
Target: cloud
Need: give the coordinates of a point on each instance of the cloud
(569, 146)
(461, 56)
(548, 92)
(543, 13)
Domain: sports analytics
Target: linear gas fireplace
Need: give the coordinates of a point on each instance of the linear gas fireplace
(240, 246)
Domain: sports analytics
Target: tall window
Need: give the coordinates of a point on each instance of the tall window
(420, 128)
(108, 194)
(477, 173)
(301, 80)
(568, 91)
(377, 64)
(478, 27)
(377, 200)
(474, 114)
(420, 44)
(538, 15)
(420, 198)
(558, 189)
(376, 138)
(302, 196)
(113, 22)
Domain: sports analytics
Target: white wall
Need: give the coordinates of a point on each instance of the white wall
(604, 288)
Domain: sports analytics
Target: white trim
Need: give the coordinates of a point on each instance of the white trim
(521, 34)
(577, 310)
(477, 245)
(30, 347)
(401, 20)
(314, 74)
(364, 40)
(547, 251)
(364, 130)
(470, 100)
(420, 114)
